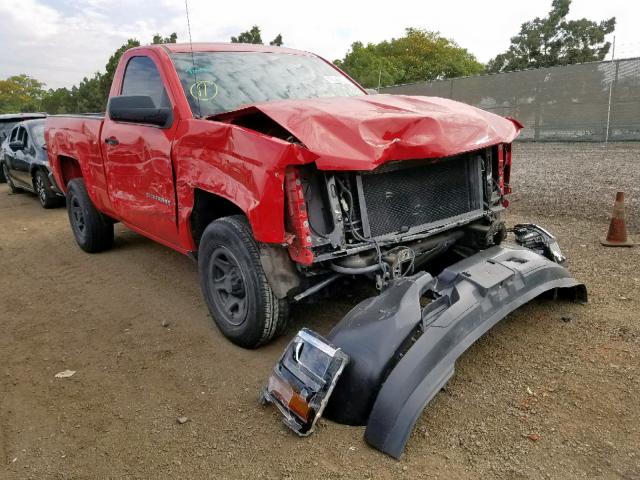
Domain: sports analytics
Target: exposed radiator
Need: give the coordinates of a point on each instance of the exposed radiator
(405, 195)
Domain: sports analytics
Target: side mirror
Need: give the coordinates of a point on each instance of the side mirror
(16, 145)
(138, 109)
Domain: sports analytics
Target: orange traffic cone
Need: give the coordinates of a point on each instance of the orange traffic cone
(617, 236)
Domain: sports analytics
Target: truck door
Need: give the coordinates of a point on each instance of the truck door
(138, 159)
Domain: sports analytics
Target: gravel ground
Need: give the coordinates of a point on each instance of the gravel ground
(551, 392)
(576, 180)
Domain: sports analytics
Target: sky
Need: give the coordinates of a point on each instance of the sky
(61, 41)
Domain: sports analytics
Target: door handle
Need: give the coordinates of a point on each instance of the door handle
(111, 141)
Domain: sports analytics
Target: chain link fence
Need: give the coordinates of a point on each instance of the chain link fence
(595, 102)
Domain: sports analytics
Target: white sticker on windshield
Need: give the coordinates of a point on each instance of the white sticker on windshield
(336, 79)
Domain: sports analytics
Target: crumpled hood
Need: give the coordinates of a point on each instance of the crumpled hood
(361, 133)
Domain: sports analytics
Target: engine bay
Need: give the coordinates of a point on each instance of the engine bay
(389, 221)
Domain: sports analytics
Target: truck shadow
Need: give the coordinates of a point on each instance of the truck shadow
(325, 309)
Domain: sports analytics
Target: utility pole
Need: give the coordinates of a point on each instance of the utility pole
(613, 55)
(379, 78)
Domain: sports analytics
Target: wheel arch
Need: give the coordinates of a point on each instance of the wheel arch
(35, 168)
(208, 207)
(276, 262)
(68, 169)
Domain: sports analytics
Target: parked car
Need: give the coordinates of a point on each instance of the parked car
(7, 122)
(25, 163)
(279, 173)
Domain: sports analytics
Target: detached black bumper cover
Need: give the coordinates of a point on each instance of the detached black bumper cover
(402, 354)
(402, 344)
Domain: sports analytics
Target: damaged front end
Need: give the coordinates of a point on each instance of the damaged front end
(402, 344)
(396, 219)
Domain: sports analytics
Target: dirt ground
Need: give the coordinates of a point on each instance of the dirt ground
(551, 392)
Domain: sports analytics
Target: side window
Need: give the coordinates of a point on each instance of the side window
(141, 77)
(22, 136)
(14, 134)
(25, 141)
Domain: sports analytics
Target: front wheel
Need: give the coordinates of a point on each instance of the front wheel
(93, 232)
(234, 285)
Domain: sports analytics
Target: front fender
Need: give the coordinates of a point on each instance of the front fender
(389, 389)
(243, 166)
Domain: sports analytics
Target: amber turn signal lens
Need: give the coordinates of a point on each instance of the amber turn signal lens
(287, 396)
(300, 407)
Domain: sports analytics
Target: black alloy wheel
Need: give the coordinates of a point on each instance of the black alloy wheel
(234, 285)
(229, 286)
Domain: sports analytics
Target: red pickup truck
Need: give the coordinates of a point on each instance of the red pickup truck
(280, 174)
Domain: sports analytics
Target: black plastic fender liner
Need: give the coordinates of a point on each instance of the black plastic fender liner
(469, 298)
(374, 331)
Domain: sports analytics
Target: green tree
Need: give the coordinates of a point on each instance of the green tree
(88, 95)
(250, 36)
(254, 35)
(554, 40)
(419, 55)
(21, 93)
(277, 41)
(157, 38)
(59, 100)
(366, 65)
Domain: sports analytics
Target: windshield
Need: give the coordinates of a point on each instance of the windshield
(216, 82)
(38, 134)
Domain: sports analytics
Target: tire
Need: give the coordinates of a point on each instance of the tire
(3, 178)
(12, 186)
(92, 231)
(235, 287)
(42, 187)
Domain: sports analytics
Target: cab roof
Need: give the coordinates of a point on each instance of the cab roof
(225, 47)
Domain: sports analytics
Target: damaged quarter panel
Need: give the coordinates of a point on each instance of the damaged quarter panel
(75, 151)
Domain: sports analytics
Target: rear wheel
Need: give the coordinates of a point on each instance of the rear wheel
(93, 232)
(234, 285)
(12, 186)
(42, 187)
(3, 178)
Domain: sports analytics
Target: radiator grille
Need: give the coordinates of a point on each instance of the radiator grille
(400, 197)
